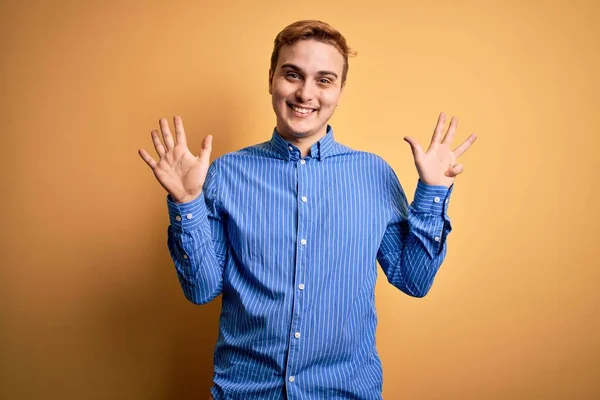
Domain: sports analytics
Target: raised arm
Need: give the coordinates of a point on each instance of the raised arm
(196, 238)
(414, 244)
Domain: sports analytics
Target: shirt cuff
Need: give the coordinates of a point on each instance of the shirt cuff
(432, 199)
(187, 216)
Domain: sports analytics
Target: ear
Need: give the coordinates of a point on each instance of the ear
(270, 81)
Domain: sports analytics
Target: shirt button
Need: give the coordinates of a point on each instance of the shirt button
(291, 378)
(178, 218)
(185, 256)
(304, 199)
(436, 199)
(291, 148)
(301, 286)
(303, 241)
(302, 162)
(437, 238)
(297, 335)
(189, 216)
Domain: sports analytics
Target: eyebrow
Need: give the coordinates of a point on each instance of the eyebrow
(298, 69)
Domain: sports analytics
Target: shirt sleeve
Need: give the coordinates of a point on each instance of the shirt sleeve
(414, 243)
(197, 242)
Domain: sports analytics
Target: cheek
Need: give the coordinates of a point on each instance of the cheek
(277, 97)
(278, 101)
(330, 99)
(281, 90)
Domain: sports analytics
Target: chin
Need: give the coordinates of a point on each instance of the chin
(298, 130)
(303, 130)
(300, 134)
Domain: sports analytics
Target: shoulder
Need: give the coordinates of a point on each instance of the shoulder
(368, 159)
(260, 150)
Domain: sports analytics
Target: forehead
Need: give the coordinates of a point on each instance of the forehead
(311, 56)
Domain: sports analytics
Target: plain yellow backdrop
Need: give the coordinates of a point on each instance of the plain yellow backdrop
(90, 306)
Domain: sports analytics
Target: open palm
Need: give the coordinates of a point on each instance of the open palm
(438, 165)
(180, 172)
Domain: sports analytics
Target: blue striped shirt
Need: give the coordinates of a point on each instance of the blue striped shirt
(292, 243)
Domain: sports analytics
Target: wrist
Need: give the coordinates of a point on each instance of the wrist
(185, 199)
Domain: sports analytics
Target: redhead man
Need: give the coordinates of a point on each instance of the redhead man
(289, 232)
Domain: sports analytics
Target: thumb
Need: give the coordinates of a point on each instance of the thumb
(414, 146)
(206, 149)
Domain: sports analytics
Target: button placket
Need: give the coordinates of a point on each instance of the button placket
(302, 240)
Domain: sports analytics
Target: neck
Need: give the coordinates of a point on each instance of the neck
(304, 143)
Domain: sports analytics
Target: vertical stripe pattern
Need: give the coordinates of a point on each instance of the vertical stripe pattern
(292, 245)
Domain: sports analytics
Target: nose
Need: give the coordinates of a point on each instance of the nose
(305, 92)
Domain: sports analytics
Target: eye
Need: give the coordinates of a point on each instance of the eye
(324, 81)
(293, 75)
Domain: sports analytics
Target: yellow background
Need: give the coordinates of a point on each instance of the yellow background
(90, 306)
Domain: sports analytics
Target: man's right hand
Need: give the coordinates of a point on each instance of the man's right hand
(180, 172)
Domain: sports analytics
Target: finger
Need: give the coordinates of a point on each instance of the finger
(437, 132)
(465, 145)
(160, 149)
(206, 149)
(166, 133)
(146, 157)
(451, 129)
(414, 146)
(457, 169)
(179, 131)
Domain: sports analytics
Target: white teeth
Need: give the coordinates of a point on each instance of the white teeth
(301, 110)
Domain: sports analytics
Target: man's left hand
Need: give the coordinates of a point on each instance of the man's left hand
(438, 165)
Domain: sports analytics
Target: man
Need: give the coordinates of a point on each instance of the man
(289, 231)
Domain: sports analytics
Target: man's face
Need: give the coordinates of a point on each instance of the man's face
(306, 87)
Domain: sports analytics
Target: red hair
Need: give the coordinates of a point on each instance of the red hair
(312, 29)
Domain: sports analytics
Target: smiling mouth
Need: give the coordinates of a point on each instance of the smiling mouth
(301, 110)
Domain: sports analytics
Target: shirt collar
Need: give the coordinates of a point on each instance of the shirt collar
(323, 148)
